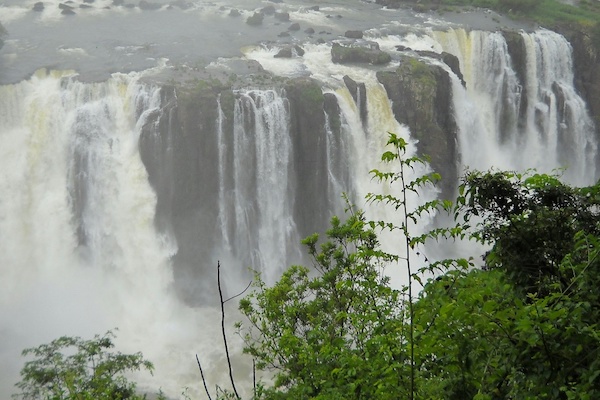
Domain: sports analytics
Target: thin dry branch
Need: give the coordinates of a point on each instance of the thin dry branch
(203, 379)
(223, 330)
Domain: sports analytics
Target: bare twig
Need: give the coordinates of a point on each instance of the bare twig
(254, 376)
(223, 330)
(239, 294)
(203, 379)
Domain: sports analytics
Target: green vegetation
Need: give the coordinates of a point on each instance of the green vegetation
(526, 325)
(552, 14)
(420, 71)
(335, 334)
(523, 326)
(70, 368)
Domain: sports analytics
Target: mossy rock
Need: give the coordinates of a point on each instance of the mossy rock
(349, 55)
(417, 70)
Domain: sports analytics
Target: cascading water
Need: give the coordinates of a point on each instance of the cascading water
(257, 207)
(517, 122)
(79, 249)
(76, 214)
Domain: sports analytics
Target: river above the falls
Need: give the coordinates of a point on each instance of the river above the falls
(101, 38)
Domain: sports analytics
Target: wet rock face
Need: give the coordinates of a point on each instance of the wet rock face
(3, 33)
(586, 59)
(177, 147)
(359, 95)
(290, 51)
(452, 61)
(310, 153)
(421, 95)
(354, 34)
(256, 19)
(518, 55)
(353, 54)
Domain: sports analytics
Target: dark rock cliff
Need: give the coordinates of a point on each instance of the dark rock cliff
(586, 60)
(421, 95)
(310, 154)
(179, 147)
(359, 95)
(3, 33)
(585, 67)
(179, 143)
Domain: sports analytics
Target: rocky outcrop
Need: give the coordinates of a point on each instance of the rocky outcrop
(421, 95)
(148, 6)
(256, 19)
(66, 9)
(359, 54)
(358, 91)
(354, 34)
(290, 51)
(178, 147)
(586, 59)
(310, 153)
(3, 33)
(518, 55)
(452, 61)
(282, 16)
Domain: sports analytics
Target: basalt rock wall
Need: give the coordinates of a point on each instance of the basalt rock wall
(421, 95)
(586, 59)
(179, 146)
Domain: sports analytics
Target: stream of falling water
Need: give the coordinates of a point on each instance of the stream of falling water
(510, 122)
(78, 246)
(78, 249)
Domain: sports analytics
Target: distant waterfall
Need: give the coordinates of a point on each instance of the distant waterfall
(511, 122)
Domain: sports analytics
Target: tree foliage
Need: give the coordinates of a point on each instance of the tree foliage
(71, 368)
(525, 326)
(339, 331)
(335, 332)
(532, 222)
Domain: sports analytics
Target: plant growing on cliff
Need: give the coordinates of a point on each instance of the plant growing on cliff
(409, 241)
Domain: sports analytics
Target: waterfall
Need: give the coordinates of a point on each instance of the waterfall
(518, 122)
(79, 252)
(86, 244)
(262, 229)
